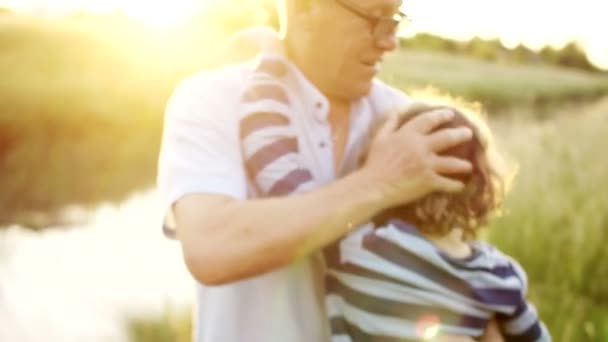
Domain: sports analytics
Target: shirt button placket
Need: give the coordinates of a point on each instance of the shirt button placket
(319, 114)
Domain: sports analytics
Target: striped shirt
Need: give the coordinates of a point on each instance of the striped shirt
(387, 284)
(269, 139)
(392, 284)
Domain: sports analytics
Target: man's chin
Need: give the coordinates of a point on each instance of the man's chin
(354, 92)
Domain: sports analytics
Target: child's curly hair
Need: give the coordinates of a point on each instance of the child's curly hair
(484, 191)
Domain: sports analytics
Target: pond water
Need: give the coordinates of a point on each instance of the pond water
(79, 283)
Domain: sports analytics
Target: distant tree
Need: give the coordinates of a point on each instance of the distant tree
(573, 55)
(428, 41)
(549, 55)
(521, 54)
(484, 49)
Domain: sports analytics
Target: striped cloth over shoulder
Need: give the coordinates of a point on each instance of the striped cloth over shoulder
(391, 284)
(268, 139)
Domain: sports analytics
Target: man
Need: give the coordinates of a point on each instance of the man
(258, 258)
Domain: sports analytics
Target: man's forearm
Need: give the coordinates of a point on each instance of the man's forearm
(226, 240)
(239, 239)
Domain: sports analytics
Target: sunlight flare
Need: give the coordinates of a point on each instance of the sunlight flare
(428, 327)
(161, 14)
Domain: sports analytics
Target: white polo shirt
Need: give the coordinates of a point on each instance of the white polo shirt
(201, 153)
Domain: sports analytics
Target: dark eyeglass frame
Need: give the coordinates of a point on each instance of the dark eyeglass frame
(382, 26)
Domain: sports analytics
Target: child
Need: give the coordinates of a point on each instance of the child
(418, 273)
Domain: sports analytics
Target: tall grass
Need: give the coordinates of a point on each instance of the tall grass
(557, 219)
(171, 326)
(80, 117)
(496, 86)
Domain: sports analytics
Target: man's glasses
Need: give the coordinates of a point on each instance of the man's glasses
(382, 26)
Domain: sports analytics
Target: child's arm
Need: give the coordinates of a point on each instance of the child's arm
(271, 153)
(523, 324)
(269, 140)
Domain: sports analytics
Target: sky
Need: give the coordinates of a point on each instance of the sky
(533, 22)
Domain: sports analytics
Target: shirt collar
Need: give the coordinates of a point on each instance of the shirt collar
(283, 69)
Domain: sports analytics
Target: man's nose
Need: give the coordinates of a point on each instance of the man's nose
(387, 42)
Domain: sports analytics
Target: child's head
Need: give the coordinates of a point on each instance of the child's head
(485, 187)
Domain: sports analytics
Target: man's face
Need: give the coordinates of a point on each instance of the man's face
(345, 47)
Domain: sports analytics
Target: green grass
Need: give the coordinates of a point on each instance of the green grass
(170, 326)
(496, 86)
(80, 117)
(557, 220)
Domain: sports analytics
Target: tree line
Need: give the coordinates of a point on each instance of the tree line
(571, 55)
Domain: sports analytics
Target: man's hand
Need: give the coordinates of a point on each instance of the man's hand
(492, 333)
(404, 161)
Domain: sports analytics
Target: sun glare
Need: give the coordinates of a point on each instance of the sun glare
(428, 327)
(513, 22)
(160, 14)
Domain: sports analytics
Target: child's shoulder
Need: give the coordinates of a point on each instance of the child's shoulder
(494, 258)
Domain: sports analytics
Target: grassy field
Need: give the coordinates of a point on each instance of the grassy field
(81, 109)
(557, 220)
(496, 86)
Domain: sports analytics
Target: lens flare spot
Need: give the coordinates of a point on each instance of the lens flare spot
(428, 327)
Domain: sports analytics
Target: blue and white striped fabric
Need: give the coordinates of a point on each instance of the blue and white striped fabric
(269, 141)
(391, 284)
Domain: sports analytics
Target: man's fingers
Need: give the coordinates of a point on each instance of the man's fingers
(389, 126)
(427, 121)
(451, 165)
(445, 184)
(449, 137)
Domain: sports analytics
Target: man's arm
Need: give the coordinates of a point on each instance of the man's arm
(225, 240)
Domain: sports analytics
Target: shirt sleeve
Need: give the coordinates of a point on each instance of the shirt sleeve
(200, 150)
(269, 142)
(523, 324)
